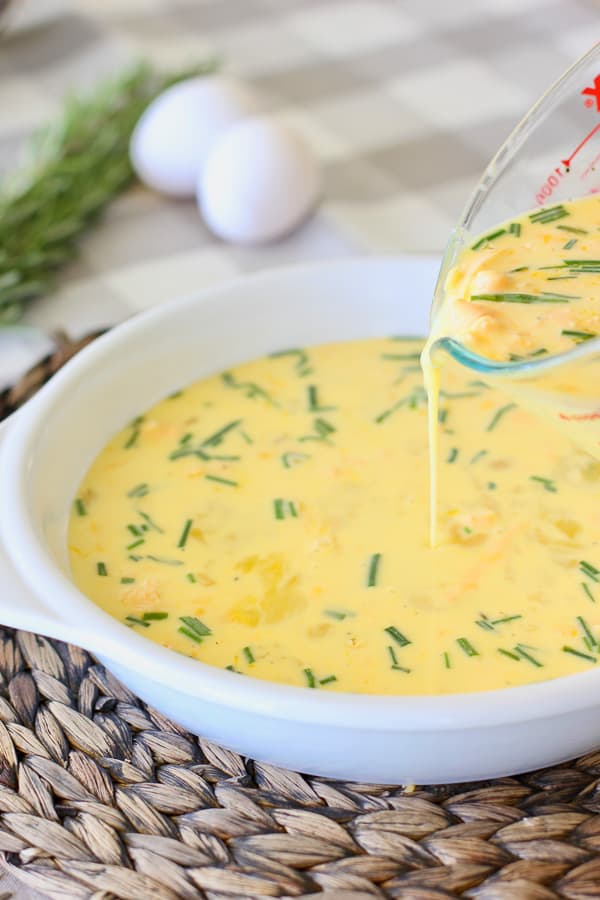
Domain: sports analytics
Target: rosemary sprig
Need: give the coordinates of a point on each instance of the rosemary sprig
(77, 166)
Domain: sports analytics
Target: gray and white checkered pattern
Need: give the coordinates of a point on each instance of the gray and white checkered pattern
(403, 102)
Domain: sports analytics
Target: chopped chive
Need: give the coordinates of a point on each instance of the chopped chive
(184, 534)
(248, 388)
(302, 364)
(417, 398)
(561, 277)
(570, 244)
(322, 430)
(524, 298)
(588, 591)
(222, 480)
(509, 654)
(589, 570)
(193, 627)
(313, 400)
(466, 646)
(401, 356)
(164, 560)
(372, 570)
(337, 614)
(499, 414)
(480, 453)
(80, 507)
(127, 580)
(397, 636)
(578, 653)
(485, 623)
(328, 680)
(586, 630)
(284, 508)
(515, 228)
(519, 269)
(487, 238)
(190, 634)
(572, 230)
(548, 214)
(231, 668)
(134, 558)
(525, 655)
(491, 485)
(246, 437)
(101, 568)
(191, 577)
(249, 655)
(291, 459)
(185, 439)
(447, 661)
(133, 620)
(217, 438)
(140, 490)
(135, 544)
(135, 531)
(579, 336)
(135, 433)
(151, 523)
(310, 678)
(548, 483)
(452, 455)
(394, 661)
(155, 616)
(442, 415)
(175, 395)
(506, 619)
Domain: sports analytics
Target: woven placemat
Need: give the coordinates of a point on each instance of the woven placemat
(102, 796)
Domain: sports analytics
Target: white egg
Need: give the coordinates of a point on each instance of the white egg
(174, 135)
(259, 182)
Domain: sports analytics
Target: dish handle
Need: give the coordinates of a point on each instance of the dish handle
(19, 607)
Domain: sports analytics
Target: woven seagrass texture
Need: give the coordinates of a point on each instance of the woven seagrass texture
(102, 796)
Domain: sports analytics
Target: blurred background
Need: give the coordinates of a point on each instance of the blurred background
(401, 101)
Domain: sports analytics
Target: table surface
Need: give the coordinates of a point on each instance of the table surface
(402, 101)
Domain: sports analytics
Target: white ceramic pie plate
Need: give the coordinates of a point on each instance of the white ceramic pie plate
(47, 446)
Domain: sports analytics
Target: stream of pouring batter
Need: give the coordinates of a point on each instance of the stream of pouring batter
(529, 289)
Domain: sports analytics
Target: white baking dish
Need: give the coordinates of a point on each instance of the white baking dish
(47, 446)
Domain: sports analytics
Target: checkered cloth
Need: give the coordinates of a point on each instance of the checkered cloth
(402, 101)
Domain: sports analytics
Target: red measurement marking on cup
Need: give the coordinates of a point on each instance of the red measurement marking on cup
(579, 417)
(590, 94)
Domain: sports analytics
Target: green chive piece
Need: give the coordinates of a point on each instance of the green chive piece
(484, 623)
(442, 415)
(133, 620)
(480, 453)
(249, 655)
(506, 619)
(548, 214)
(579, 336)
(80, 507)
(519, 269)
(195, 625)
(487, 238)
(284, 509)
(570, 244)
(222, 480)
(175, 395)
(398, 357)
(322, 431)
(578, 653)
(452, 455)
(292, 459)
(524, 298)
(140, 490)
(135, 531)
(499, 414)
(589, 570)
(572, 230)
(548, 483)
(394, 661)
(191, 577)
(467, 647)
(151, 523)
(313, 400)
(397, 636)
(190, 634)
(135, 433)
(217, 438)
(509, 654)
(310, 678)
(184, 534)
(588, 591)
(328, 680)
(586, 630)
(515, 228)
(155, 616)
(491, 485)
(248, 388)
(525, 655)
(163, 560)
(136, 543)
(373, 569)
(231, 668)
(302, 364)
(101, 568)
(337, 614)
(414, 400)
(127, 580)
(447, 661)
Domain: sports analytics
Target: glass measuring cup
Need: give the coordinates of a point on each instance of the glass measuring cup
(553, 155)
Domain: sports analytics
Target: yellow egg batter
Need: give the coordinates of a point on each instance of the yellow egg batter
(273, 520)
